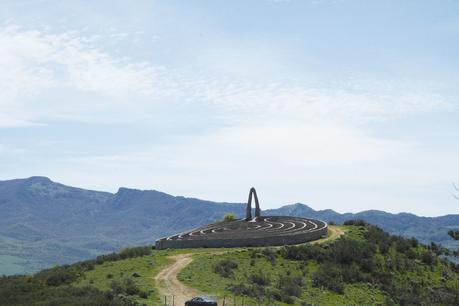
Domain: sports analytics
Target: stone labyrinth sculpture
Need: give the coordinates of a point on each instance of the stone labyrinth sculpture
(248, 232)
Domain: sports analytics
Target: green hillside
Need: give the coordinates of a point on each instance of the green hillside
(366, 266)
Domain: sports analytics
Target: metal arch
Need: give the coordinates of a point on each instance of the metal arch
(248, 212)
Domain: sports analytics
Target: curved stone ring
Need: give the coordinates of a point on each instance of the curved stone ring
(248, 232)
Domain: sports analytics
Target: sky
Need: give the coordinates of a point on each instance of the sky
(348, 105)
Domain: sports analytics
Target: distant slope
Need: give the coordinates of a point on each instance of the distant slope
(44, 223)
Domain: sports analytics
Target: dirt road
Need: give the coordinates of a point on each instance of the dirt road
(170, 286)
(334, 232)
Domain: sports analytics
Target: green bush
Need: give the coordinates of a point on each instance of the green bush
(60, 275)
(239, 289)
(303, 252)
(259, 278)
(127, 287)
(225, 267)
(229, 217)
(428, 258)
(290, 285)
(329, 276)
(454, 234)
(29, 290)
(357, 222)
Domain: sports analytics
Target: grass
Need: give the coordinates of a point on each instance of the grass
(146, 266)
(269, 263)
(117, 271)
(200, 275)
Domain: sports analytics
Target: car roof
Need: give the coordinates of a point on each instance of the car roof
(203, 299)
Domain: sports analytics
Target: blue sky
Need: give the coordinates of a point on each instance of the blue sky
(348, 105)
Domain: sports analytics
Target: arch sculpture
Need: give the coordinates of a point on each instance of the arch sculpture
(248, 210)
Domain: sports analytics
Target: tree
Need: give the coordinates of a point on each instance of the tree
(229, 217)
(454, 234)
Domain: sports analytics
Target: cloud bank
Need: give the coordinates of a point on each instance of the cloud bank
(271, 133)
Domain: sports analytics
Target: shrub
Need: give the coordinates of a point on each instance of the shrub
(135, 252)
(239, 289)
(303, 252)
(280, 296)
(352, 274)
(131, 288)
(270, 255)
(290, 285)
(124, 254)
(347, 251)
(428, 258)
(259, 278)
(225, 267)
(229, 217)
(144, 294)
(454, 234)
(357, 222)
(127, 287)
(329, 276)
(29, 290)
(59, 275)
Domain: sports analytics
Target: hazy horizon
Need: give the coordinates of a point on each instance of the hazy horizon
(347, 105)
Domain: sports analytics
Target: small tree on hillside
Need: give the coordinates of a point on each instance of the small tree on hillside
(229, 217)
(454, 234)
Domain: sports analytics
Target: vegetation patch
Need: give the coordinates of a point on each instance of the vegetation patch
(225, 267)
(93, 282)
(365, 267)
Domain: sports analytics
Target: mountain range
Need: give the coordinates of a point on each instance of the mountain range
(44, 223)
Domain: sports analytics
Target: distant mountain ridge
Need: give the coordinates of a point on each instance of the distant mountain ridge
(425, 229)
(45, 223)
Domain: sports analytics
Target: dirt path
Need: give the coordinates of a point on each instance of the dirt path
(334, 232)
(170, 286)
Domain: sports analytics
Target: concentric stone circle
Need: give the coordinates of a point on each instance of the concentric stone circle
(260, 231)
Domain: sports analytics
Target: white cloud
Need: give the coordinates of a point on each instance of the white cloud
(47, 76)
(281, 152)
(269, 133)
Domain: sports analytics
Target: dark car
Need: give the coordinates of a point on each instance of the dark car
(201, 301)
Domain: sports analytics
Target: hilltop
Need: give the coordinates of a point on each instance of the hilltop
(366, 266)
(46, 223)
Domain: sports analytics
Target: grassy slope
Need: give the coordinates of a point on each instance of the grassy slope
(146, 266)
(199, 274)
